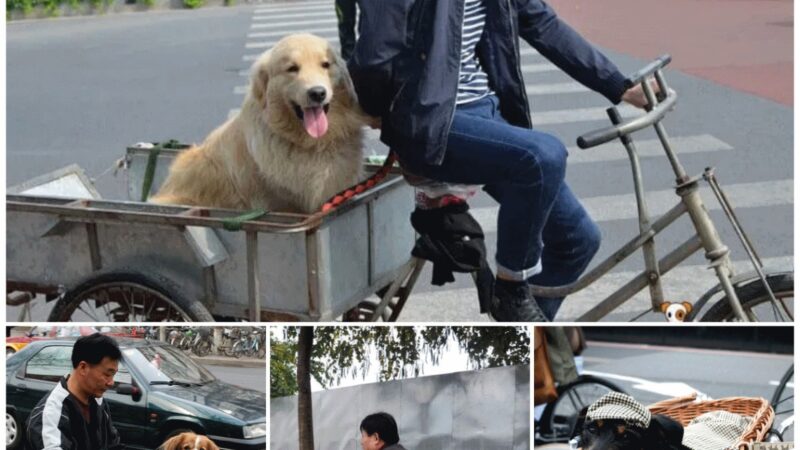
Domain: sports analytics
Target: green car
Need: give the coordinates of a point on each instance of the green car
(158, 392)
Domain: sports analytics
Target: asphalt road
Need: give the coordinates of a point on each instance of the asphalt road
(81, 89)
(249, 378)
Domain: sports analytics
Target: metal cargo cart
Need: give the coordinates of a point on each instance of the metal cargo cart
(133, 261)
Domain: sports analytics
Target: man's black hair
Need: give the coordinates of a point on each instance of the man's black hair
(383, 424)
(94, 348)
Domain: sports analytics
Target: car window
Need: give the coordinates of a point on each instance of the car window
(50, 364)
(123, 375)
(162, 363)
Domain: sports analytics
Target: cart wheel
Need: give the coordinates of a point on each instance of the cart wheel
(127, 297)
(756, 302)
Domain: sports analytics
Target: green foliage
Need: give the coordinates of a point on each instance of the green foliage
(51, 7)
(26, 6)
(283, 367)
(401, 352)
(191, 4)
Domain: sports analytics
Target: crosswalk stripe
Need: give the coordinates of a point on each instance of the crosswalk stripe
(579, 115)
(327, 33)
(555, 88)
(277, 17)
(646, 148)
(538, 68)
(282, 33)
(527, 50)
(293, 24)
(682, 283)
(623, 207)
(293, 6)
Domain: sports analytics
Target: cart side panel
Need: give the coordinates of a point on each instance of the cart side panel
(59, 259)
(152, 249)
(343, 261)
(283, 284)
(392, 235)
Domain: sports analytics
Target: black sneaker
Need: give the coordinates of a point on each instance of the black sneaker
(513, 302)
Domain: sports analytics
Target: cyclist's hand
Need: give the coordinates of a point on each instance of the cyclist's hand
(635, 95)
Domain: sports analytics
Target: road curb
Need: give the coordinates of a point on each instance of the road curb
(231, 362)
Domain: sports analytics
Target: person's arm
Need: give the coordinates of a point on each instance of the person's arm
(112, 435)
(48, 431)
(558, 42)
(382, 37)
(346, 17)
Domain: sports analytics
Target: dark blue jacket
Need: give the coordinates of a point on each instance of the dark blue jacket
(407, 59)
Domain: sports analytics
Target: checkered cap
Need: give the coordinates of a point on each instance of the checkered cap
(618, 406)
(715, 430)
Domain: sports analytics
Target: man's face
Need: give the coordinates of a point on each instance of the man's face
(95, 380)
(370, 441)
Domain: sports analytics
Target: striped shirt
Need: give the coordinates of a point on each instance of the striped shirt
(473, 83)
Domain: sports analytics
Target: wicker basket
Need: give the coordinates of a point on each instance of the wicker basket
(684, 409)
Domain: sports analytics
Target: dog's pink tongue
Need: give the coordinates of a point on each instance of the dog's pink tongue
(315, 121)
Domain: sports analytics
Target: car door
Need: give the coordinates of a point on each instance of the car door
(37, 377)
(129, 412)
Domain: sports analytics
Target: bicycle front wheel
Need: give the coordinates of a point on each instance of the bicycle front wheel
(756, 302)
(560, 416)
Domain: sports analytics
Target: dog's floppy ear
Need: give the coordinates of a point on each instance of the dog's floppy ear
(665, 429)
(212, 445)
(172, 443)
(259, 77)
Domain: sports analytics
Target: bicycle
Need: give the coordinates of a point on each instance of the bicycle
(738, 295)
(782, 403)
(203, 342)
(560, 416)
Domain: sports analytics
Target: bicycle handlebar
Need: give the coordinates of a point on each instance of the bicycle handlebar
(667, 99)
(647, 70)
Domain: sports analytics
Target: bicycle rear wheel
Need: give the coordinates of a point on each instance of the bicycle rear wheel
(756, 302)
(783, 404)
(560, 416)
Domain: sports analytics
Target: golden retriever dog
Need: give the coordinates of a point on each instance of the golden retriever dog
(296, 142)
(188, 441)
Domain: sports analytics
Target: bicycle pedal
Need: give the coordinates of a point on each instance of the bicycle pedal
(676, 312)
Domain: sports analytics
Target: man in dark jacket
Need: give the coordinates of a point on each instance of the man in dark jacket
(379, 432)
(444, 78)
(73, 415)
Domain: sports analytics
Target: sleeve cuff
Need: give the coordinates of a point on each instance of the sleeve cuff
(615, 87)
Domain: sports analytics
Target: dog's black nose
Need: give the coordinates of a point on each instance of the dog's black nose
(317, 94)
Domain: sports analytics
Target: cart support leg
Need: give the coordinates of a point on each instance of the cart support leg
(252, 276)
(410, 272)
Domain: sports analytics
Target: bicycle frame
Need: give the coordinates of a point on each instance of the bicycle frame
(706, 236)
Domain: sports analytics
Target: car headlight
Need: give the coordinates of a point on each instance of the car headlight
(255, 430)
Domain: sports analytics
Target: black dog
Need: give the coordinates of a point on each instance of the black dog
(663, 433)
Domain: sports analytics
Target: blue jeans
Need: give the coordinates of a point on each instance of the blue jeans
(543, 233)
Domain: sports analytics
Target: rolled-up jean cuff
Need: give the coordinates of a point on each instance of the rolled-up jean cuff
(519, 275)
